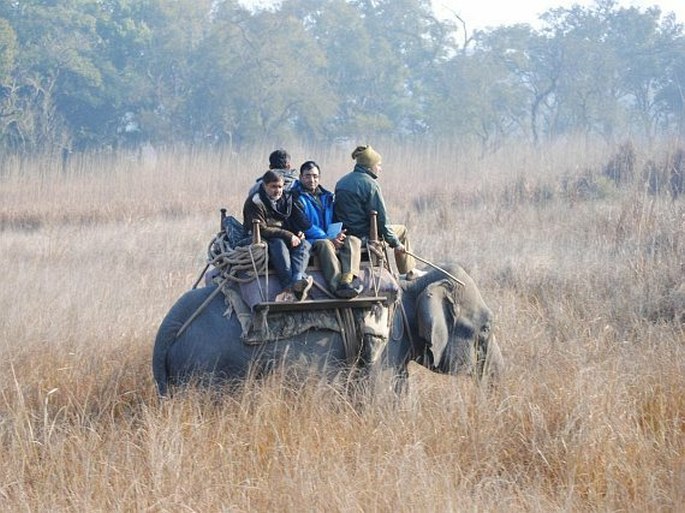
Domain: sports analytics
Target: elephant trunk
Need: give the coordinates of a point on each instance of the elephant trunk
(490, 363)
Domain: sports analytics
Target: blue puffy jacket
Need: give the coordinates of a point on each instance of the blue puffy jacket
(317, 208)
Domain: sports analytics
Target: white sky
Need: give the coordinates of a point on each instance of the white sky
(478, 14)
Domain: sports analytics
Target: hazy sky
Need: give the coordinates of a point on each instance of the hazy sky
(483, 13)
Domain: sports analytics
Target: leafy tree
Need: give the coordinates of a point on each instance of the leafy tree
(381, 78)
(269, 72)
(8, 50)
(613, 66)
(339, 31)
(646, 49)
(671, 95)
(171, 35)
(58, 80)
(481, 93)
(96, 73)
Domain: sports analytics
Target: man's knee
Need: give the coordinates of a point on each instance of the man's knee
(322, 247)
(323, 252)
(277, 246)
(303, 248)
(352, 244)
(401, 231)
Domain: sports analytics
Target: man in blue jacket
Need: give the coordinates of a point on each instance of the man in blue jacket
(325, 236)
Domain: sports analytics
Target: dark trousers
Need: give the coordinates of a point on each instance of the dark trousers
(290, 263)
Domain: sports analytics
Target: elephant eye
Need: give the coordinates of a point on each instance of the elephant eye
(485, 329)
(464, 330)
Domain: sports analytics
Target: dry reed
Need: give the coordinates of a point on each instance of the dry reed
(585, 277)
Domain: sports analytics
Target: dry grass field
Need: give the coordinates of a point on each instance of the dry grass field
(584, 270)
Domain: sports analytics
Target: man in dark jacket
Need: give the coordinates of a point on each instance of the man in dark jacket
(279, 163)
(356, 195)
(325, 235)
(282, 226)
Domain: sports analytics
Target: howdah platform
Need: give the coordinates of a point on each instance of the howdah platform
(321, 304)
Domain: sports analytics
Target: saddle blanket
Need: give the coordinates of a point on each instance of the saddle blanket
(376, 281)
(265, 326)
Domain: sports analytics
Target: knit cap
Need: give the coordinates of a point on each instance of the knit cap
(366, 156)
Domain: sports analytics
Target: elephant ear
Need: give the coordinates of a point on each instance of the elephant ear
(435, 313)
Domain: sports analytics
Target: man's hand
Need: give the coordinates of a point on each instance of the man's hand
(339, 240)
(295, 241)
(400, 249)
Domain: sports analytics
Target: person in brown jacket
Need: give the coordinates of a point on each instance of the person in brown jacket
(282, 225)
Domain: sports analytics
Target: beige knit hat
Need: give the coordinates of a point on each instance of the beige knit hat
(366, 156)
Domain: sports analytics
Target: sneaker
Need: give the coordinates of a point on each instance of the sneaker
(349, 290)
(414, 274)
(302, 288)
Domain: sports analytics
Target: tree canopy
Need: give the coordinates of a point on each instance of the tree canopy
(92, 74)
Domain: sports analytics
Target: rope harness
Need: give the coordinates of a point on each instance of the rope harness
(379, 250)
(241, 264)
(244, 263)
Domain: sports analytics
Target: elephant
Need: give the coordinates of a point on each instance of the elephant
(449, 328)
(442, 325)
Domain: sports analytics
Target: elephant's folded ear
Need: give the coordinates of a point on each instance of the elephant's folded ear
(432, 319)
(450, 286)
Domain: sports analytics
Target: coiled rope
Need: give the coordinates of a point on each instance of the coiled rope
(241, 264)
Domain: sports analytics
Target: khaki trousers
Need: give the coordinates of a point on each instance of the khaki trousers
(327, 259)
(405, 263)
(350, 253)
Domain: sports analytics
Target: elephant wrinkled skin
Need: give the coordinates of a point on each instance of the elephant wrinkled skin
(448, 328)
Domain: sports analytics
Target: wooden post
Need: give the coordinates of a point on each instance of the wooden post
(373, 235)
(223, 218)
(373, 226)
(256, 234)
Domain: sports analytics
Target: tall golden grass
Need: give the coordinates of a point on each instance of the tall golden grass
(586, 278)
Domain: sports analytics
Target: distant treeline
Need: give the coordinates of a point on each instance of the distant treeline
(94, 74)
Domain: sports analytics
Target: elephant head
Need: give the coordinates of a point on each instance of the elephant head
(456, 328)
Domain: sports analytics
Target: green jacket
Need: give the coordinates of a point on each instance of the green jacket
(356, 194)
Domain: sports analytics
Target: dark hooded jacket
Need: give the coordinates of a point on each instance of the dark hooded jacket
(277, 219)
